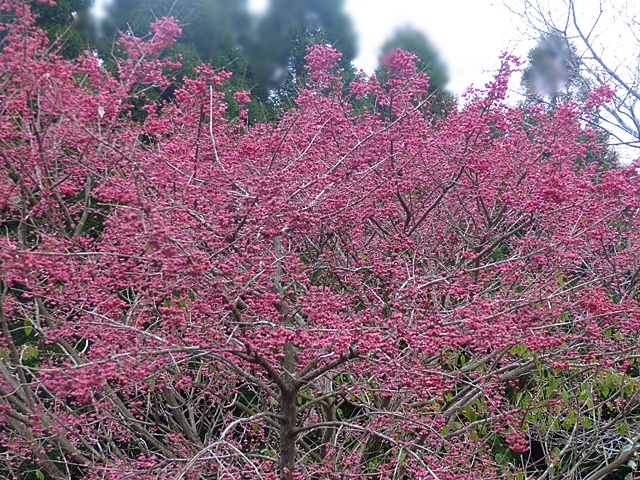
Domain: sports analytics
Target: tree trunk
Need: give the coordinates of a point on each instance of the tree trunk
(289, 414)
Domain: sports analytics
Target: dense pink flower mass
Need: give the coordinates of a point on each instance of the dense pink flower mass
(358, 290)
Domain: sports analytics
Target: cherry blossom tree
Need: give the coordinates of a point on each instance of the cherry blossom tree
(377, 293)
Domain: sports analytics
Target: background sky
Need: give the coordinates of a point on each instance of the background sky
(468, 34)
(471, 34)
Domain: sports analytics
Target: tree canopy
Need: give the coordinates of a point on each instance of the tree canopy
(553, 71)
(285, 32)
(265, 53)
(428, 61)
(59, 23)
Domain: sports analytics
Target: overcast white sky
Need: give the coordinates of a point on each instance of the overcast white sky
(469, 34)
